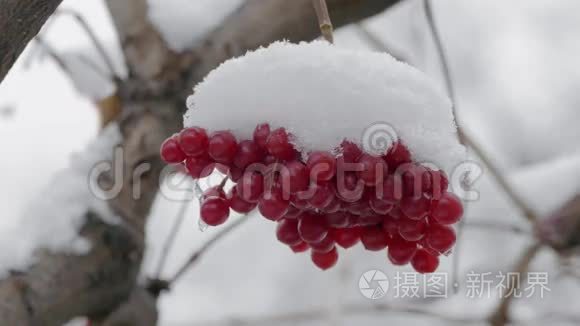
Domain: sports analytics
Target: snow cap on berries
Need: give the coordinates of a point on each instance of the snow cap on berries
(323, 94)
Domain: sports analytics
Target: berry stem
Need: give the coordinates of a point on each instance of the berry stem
(324, 21)
(210, 243)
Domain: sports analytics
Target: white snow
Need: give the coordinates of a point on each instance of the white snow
(323, 94)
(53, 218)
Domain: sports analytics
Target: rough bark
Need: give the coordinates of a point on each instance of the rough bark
(58, 286)
(20, 21)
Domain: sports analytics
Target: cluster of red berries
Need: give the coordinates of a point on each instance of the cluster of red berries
(328, 199)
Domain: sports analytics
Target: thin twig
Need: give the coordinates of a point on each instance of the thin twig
(324, 21)
(93, 37)
(503, 227)
(198, 253)
(170, 240)
(52, 54)
(500, 316)
(463, 136)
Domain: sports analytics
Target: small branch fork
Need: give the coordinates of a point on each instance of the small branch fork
(326, 28)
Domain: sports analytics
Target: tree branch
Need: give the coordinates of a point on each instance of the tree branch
(20, 21)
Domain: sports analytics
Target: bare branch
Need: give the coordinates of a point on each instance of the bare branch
(170, 240)
(20, 21)
(324, 21)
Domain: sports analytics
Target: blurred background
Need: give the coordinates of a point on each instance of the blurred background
(516, 79)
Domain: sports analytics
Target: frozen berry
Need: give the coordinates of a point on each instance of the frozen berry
(279, 146)
(440, 238)
(297, 176)
(287, 232)
(326, 260)
(292, 212)
(237, 203)
(322, 195)
(398, 154)
(223, 147)
(273, 205)
(261, 134)
(300, 247)
(347, 237)
(373, 169)
(374, 238)
(324, 245)
(312, 228)
(423, 262)
(380, 206)
(322, 166)
(214, 211)
(350, 152)
(193, 141)
(349, 187)
(401, 251)
(337, 219)
(448, 210)
(415, 208)
(171, 152)
(248, 153)
(412, 230)
(199, 167)
(251, 186)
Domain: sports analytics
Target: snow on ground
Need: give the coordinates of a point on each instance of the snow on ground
(323, 94)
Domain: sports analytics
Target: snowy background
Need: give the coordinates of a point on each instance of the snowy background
(515, 72)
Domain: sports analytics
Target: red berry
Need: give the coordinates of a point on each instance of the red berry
(392, 189)
(412, 230)
(171, 152)
(398, 154)
(273, 205)
(448, 210)
(349, 187)
(337, 219)
(374, 238)
(401, 251)
(279, 146)
(412, 177)
(346, 237)
(261, 134)
(293, 212)
(312, 228)
(214, 211)
(287, 232)
(237, 203)
(334, 206)
(199, 167)
(440, 238)
(439, 184)
(325, 245)
(415, 208)
(322, 166)
(396, 213)
(366, 220)
(350, 151)
(325, 261)
(380, 206)
(248, 153)
(300, 247)
(423, 262)
(299, 202)
(322, 195)
(391, 226)
(193, 141)
(297, 176)
(373, 169)
(359, 208)
(223, 147)
(251, 186)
